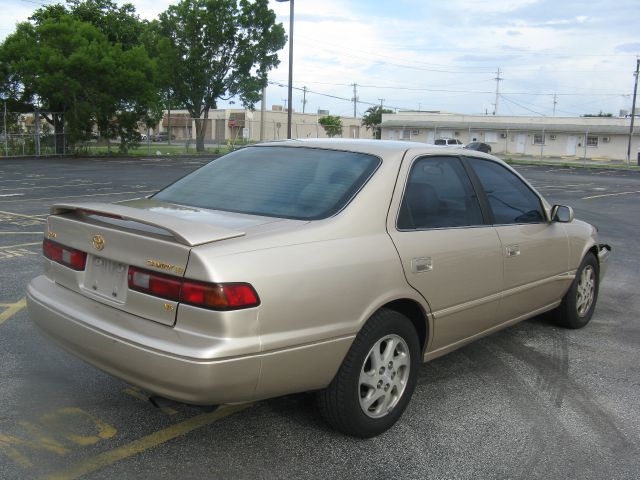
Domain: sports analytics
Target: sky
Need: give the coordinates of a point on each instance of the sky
(444, 56)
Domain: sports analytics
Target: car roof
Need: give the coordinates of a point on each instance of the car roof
(383, 148)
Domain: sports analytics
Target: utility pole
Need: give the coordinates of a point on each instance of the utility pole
(6, 134)
(381, 101)
(263, 111)
(555, 102)
(355, 99)
(285, 104)
(633, 110)
(304, 98)
(498, 80)
(37, 127)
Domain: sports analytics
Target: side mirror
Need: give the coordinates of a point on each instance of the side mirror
(562, 214)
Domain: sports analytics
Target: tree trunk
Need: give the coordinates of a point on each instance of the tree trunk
(201, 128)
(58, 130)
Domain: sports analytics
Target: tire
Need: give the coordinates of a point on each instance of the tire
(366, 397)
(578, 304)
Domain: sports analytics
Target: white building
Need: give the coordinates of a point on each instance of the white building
(603, 138)
(236, 125)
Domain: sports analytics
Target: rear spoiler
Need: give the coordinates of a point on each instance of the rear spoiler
(184, 231)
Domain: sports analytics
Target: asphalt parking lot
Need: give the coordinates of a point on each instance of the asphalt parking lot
(532, 401)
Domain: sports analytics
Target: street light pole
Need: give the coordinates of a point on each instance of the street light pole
(290, 93)
(633, 110)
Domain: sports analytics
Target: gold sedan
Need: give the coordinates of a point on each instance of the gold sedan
(330, 266)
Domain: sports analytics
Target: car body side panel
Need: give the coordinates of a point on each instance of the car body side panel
(535, 266)
(311, 291)
(464, 280)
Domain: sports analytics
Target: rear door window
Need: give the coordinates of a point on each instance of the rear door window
(438, 194)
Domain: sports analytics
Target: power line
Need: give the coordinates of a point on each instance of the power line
(482, 92)
(522, 106)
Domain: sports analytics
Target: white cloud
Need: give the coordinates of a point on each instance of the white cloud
(542, 47)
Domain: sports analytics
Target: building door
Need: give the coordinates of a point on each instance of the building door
(521, 140)
(355, 131)
(572, 142)
(220, 130)
(431, 136)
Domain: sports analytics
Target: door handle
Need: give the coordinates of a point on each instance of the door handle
(422, 264)
(512, 250)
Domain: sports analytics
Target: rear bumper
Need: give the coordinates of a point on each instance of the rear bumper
(74, 322)
(176, 363)
(604, 252)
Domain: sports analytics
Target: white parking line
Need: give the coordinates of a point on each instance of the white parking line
(609, 195)
(57, 186)
(81, 196)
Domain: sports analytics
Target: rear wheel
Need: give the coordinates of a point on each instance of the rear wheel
(578, 304)
(376, 379)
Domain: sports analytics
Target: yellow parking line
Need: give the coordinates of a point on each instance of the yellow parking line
(11, 309)
(609, 195)
(145, 443)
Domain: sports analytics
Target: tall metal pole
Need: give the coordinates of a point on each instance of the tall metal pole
(497, 79)
(263, 109)
(355, 100)
(290, 68)
(304, 98)
(633, 111)
(6, 146)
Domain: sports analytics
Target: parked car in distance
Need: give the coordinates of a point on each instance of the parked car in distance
(449, 142)
(479, 146)
(335, 266)
(162, 137)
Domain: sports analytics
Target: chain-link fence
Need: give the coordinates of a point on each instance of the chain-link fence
(31, 134)
(42, 133)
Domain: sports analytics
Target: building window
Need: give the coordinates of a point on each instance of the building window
(405, 134)
(592, 141)
(415, 133)
(538, 139)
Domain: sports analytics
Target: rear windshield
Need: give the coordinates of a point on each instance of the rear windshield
(286, 182)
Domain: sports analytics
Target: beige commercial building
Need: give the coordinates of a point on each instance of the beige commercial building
(238, 125)
(575, 137)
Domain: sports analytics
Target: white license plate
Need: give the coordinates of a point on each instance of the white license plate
(106, 278)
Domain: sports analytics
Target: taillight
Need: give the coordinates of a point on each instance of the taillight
(225, 296)
(67, 256)
(154, 284)
(215, 296)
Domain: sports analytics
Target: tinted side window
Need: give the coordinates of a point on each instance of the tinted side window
(511, 200)
(438, 194)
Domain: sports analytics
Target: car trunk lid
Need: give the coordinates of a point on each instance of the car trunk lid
(116, 236)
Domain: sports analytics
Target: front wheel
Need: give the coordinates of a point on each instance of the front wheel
(376, 379)
(578, 304)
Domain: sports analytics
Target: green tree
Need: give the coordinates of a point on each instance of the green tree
(218, 49)
(84, 64)
(372, 119)
(120, 24)
(332, 125)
